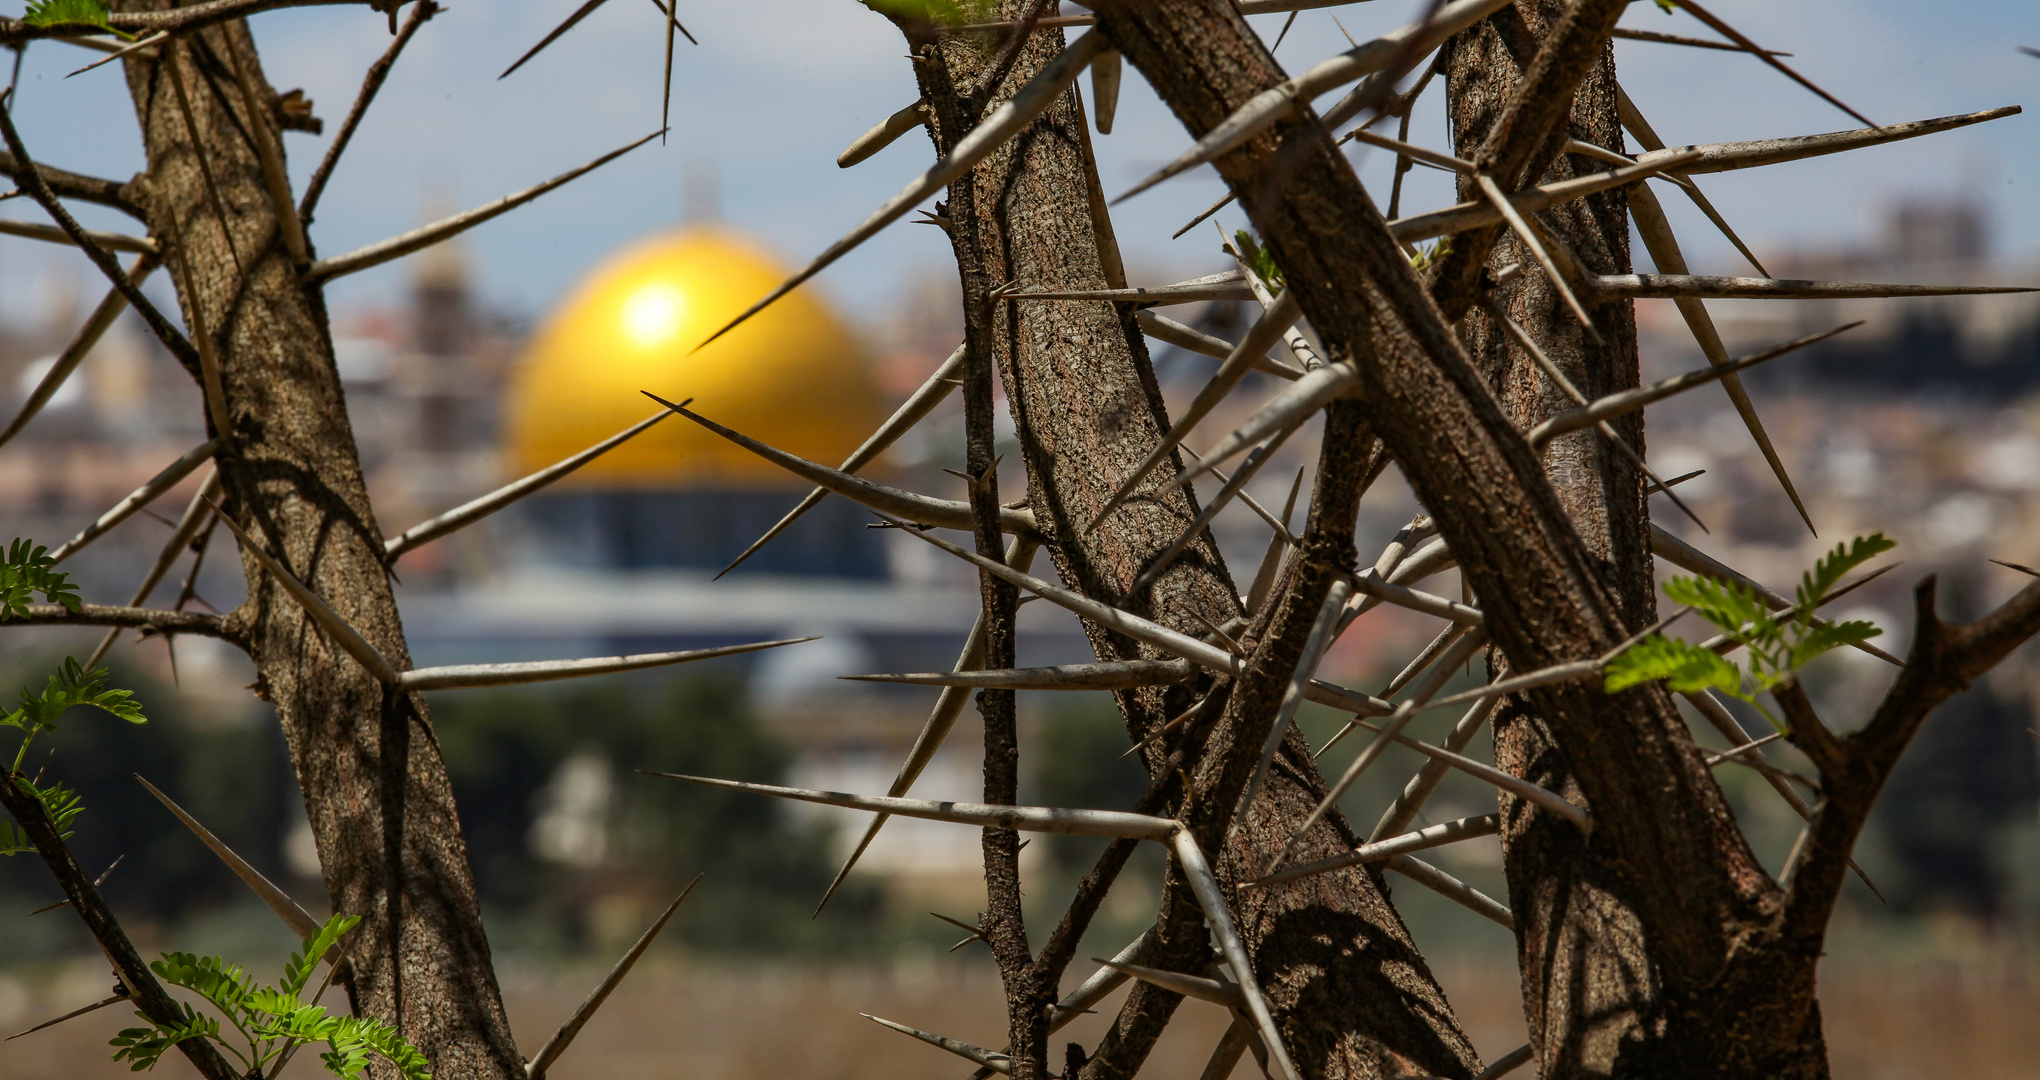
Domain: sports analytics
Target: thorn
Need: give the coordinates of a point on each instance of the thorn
(2027, 570)
(580, 13)
(418, 239)
(564, 1037)
(1007, 120)
(467, 676)
(476, 509)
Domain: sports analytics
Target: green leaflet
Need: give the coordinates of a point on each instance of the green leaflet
(1259, 260)
(59, 802)
(270, 1020)
(29, 570)
(69, 13)
(1778, 642)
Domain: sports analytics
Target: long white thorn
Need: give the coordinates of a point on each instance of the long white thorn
(1292, 696)
(1162, 328)
(468, 676)
(1450, 832)
(1201, 653)
(1624, 402)
(468, 513)
(916, 408)
(1006, 121)
(1044, 819)
(1105, 74)
(1235, 486)
(1656, 232)
(193, 519)
(1271, 560)
(1708, 287)
(883, 133)
(564, 1037)
(73, 1014)
(1725, 157)
(1453, 889)
(998, 1063)
(1515, 785)
(300, 921)
(1217, 287)
(1274, 103)
(1195, 986)
(1420, 787)
(1111, 675)
(396, 247)
(1521, 226)
(1261, 337)
(1428, 603)
(1390, 731)
(948, 706)
(172, 475)
(1204, 884)
(1476, 215)
(95, 327)
(1295, 404)
(343, 635)
(916, 508)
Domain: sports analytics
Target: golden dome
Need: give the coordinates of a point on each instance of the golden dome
(790, 376)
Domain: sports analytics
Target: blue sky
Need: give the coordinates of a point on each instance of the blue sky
(778, 87)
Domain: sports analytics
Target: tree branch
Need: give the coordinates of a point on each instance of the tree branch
(70, 185)
(148, 620)
(1945, 659)
(149, 995)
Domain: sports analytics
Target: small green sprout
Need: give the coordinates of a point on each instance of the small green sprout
(1779, 643)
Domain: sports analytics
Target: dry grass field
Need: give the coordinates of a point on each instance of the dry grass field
(1931, 1020)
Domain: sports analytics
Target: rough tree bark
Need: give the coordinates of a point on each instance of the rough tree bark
(1663, 840)
(1588, 980)
(375, 788)
(1353, 995)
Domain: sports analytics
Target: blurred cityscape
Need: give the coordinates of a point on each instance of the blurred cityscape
(1924, 423)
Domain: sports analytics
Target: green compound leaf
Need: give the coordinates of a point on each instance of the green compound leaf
(72, 685)
(28, 571)
(59, 802)
(1820, 639)
(81, 13)
(1814, 586)
(1737, 610)
(1685, 667)
(142, 1047)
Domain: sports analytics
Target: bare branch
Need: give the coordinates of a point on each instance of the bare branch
(371, 84)
(50, 234)
(396, 247)
(69, 185)
(1477, 215)
(148, 995)
(149, 620)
